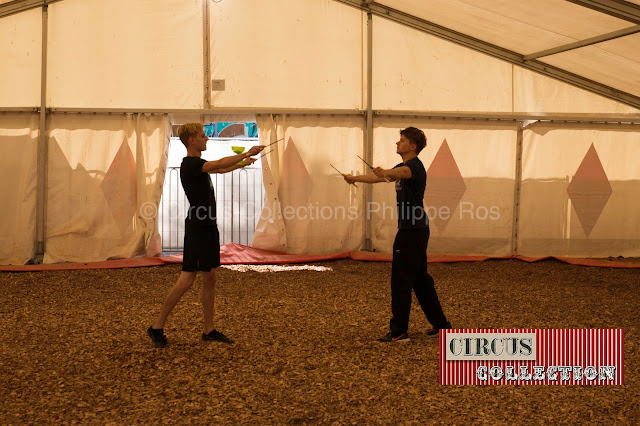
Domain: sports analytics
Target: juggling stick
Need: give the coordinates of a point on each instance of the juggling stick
(354, 184)
(387, 178)
(265, 153)
(274, 142)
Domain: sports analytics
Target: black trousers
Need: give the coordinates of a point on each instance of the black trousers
(409, 271)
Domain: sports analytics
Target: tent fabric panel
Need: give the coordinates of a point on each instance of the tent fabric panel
(18, 174)
(521, 26)
(21, 53)
(287, 53)
(604, 63)
(415, 71)
(470, 185)
(320, 212)
(270, 232)
(579, 191)
(627, 47)
(124, 54)
(104, 184)
(537, 93)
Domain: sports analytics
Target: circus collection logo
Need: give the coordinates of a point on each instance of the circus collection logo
(531, 357)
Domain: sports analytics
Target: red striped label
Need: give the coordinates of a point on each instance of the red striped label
(562, 357)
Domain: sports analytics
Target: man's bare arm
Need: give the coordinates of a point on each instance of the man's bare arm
(368, 178)
(402, 172)
(247, 162)
(224, 163)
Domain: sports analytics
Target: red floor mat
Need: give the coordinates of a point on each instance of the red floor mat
(231, 254)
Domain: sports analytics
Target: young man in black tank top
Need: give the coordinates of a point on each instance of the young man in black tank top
(409, 265)
(201, 238)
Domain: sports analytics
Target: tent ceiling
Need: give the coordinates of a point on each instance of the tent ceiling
(512, 29)
(620, 8)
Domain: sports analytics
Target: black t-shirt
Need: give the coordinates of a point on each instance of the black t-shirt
(199, 190)
(409, 196)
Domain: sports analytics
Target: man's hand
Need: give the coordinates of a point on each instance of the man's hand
(248, 161)
(380, 172)
(383, 174)
(350, 179)
(255, 150)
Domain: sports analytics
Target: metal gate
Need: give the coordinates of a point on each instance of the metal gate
(239, 201)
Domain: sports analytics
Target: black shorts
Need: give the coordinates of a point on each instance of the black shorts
(201, 248)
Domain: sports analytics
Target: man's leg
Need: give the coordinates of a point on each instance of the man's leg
(426, 294)
(208, 298)
(403, 275)
(428, 298)
(184, 283)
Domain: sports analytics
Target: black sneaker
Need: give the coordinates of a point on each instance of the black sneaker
(215, 335)
(157, 337)
(435, 331)
(388, 338)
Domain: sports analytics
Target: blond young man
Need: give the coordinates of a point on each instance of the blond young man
(201, 239)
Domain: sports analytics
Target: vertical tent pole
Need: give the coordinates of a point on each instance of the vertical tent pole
(516, 192)
(368, 146)
(42, 145)
(206, 77)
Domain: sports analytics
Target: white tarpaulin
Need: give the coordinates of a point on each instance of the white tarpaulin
(20, 59)
(287, 53)
(305, 196)
(537, 93)
(121, 53)
(104, 186)
(18, 174)
(264, 55)
(416, 71)
(526, 27)
(580, 191)
(470, 185)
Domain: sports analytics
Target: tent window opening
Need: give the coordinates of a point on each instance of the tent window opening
(239, 194)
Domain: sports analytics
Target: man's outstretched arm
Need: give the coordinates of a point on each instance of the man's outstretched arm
(236, 166)
(368, 178)
(402, 172)
(228, 162)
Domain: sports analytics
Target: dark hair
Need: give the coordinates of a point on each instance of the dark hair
(416, 137)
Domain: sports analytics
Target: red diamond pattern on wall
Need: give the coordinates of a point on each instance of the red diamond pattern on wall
(589, 190)
(119, 187)
(445, 186)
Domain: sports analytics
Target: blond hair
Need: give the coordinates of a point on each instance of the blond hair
(188, 130)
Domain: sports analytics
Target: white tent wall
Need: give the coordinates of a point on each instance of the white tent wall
(125, 54)
(312, 55)
(305, 196)
(535, 93)
(621, 56)
(470, 185)
(287, 54)
(528, 27)
(580, 189)
(548, 22)
(270, 232)
(104, 185)
(416, 71)
(18, 154)
(20, 49)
